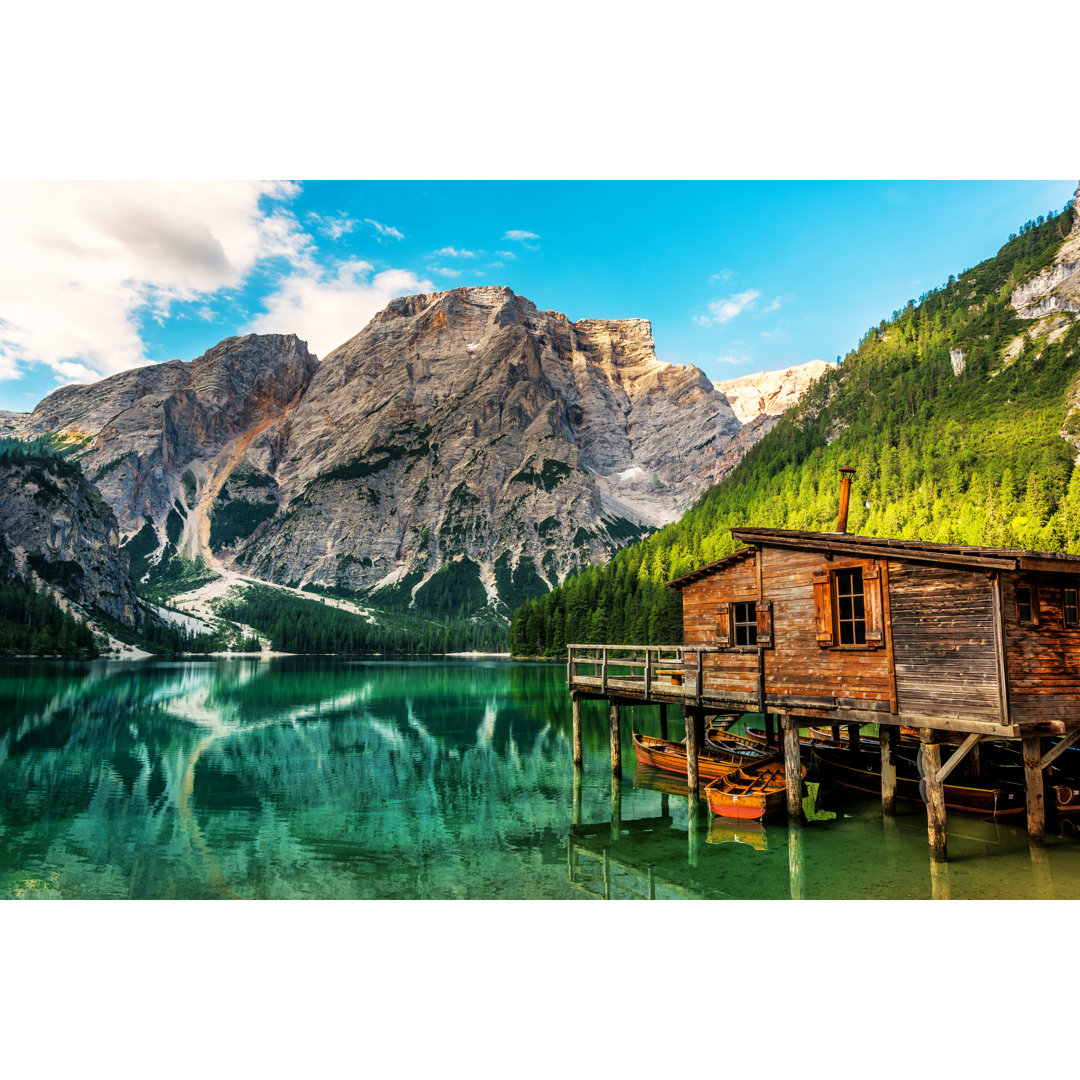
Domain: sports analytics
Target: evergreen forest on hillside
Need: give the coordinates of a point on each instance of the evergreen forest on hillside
(974, 458)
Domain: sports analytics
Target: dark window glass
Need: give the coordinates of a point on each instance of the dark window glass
(1023, 603)
(746, 623)
(850, 607)
(1072, 607)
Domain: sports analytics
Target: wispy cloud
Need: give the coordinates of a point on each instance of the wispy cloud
(446, 271)
(506, 254)
(733, 359)
(523, 237)
(723, 311)
(721, 275)
(387, 231)
(457, 253)
(774, 305)
(333, 226)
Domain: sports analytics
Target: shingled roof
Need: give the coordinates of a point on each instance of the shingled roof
(916, 551)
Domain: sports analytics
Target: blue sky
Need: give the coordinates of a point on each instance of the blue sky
(736, 276)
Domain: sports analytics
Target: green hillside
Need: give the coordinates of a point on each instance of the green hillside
(975, 458)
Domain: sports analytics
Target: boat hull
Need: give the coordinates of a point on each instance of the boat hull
(671, 757)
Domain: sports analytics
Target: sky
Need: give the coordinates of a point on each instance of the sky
(735, 276)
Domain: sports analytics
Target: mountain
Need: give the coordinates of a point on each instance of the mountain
(59, 540)
(960, 414)
(770, 393)
(463, 452)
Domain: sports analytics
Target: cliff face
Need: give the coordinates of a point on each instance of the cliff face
(1057, 288)
(770, 393)
(463, 431)
(59, 535)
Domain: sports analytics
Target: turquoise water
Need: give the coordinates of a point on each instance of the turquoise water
(324, 778)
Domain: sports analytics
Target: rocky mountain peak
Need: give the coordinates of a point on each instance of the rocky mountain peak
(770, 393)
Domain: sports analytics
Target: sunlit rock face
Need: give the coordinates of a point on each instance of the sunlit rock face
(1057, 288)
(464, 431)
(770, 393)
(57, 534)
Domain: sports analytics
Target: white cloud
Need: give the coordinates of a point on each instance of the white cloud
(725, 310)
(82, 261)
(506, 254)
(327, 307)
(773, 306)
(446, 271)
(384, 230)
(723, 275)
(456, 253)
(523, 238)
(332, 226)
(733, 359)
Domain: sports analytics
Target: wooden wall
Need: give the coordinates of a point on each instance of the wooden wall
(944, 649)
(1043, 661)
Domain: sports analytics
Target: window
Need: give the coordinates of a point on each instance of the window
(1027, 610)
(745, 623)
(848, 605)
(1071, 607)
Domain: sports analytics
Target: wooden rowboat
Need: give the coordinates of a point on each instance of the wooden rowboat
(749, 794)
(860, 771)
(739, 750)
(671, 757)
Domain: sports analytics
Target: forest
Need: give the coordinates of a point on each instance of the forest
(983, 455)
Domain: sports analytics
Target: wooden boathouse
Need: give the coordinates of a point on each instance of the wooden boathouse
(960, 644)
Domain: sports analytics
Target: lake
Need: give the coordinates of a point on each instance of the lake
(300, 777)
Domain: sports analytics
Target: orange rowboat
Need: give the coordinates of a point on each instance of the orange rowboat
(671, 757)
(750, 794)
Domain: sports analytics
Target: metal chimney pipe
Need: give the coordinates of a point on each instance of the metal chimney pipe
(846, 473)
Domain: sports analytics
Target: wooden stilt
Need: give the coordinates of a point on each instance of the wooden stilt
(663, 721)
(692, 759)
(853, 736)
(770, 738)
(792, 768)
(835, 732)
(576, 706)
(888, 735)
(699, 728)
(616, 740)
(795, 859)
(939, 880)
(577, 797)
(1033, 784)
(693, 837)
(935, 795)
(616, 808)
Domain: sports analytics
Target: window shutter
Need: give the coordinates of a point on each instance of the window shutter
(764, 624)
(875, 623)
(823, 619)
(723, 624)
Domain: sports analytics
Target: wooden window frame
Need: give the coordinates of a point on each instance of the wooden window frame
(826, 619)
(1033, 603)
(725, 624)
(1075, 590)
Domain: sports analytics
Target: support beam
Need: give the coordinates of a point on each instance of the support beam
(663, 721)
(888, 734)
(792, 768)
(616, 740)
(957, 756)
(853, 737)
(576, 819)
(616, 808)
(770, 738)
(1033, 786)
(930, 751)
(576, 706)
(691, 759)
(795, 860)
(1055, 751)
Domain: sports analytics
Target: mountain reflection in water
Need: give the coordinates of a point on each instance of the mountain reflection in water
(325, 778)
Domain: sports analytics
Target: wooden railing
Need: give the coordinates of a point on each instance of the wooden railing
(638, 667)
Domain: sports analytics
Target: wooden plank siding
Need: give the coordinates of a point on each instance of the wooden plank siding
(1043, 660)
(943, 641)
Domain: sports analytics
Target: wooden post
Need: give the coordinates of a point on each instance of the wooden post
(939, 880)
(699, 728)
(700, 676)
(930, 750)
(616, 808)
(795, 859)
(576, 706)
(770, 739)
(693, 836)
(648, 678)
(1033, 785)
(888, 735)
(663, 721)
(792, 768)
(834, 730)
(616, 740)
(692, 758)
(853, 736)
(577, 797)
